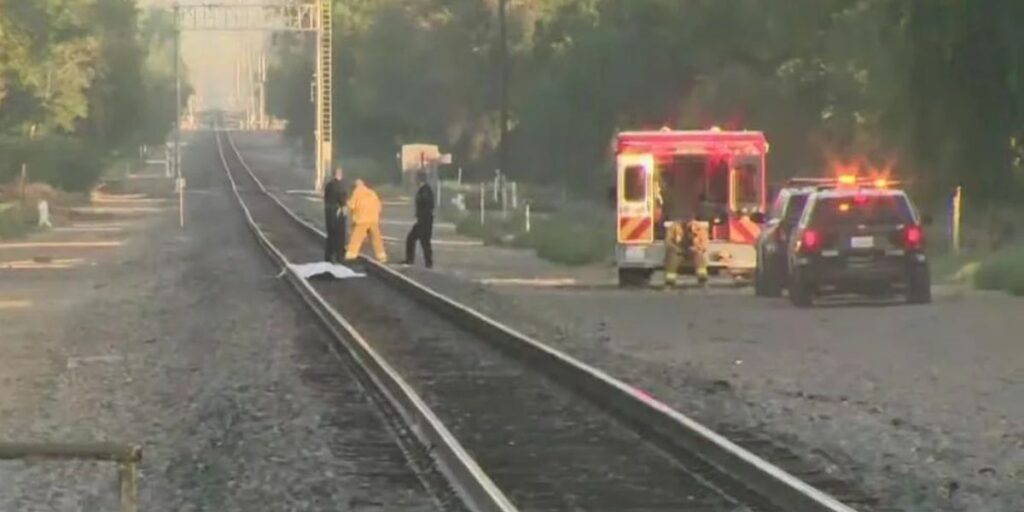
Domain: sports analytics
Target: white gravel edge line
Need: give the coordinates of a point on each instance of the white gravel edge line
(812, 495)
(476, 488)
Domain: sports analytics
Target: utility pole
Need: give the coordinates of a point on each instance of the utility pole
(503, 59)
(250, 77)
(263, 91)
(179, 181)
(238, 83)
(177, 95)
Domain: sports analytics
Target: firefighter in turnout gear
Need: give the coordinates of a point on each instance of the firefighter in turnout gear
(699, 236)
(686, 243)
(674, 251)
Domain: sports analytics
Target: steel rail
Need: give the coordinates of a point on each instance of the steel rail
(670, 429)
(476, 489)
(109, 452)
(128, 457)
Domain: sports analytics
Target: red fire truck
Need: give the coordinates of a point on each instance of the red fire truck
(671, 175)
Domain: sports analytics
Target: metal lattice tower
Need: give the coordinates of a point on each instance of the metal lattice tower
(324, 75)
(279, 16)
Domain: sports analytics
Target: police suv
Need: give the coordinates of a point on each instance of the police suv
(772, 271)
(861, 239)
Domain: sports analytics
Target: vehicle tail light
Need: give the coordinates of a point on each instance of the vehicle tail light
(914, 237)
(810, 240)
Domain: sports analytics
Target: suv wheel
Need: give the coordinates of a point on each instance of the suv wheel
(770, 280)
(919, 290)
(759, 290)
(800, 294)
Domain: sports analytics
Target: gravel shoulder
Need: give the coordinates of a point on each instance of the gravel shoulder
(921, 404)
(185, 341)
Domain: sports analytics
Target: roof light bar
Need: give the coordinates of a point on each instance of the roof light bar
(845, 181)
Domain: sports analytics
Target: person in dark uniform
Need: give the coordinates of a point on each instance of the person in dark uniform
(335, 223)
(705, 211)
(423, 230)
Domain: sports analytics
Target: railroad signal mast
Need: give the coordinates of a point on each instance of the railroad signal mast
(313, 16)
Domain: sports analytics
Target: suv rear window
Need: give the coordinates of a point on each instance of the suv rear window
(868, 210)
(795, 206)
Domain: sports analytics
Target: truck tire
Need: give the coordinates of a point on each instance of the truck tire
(767, 282)
(759, 287)
(919, 289)
(800, 294)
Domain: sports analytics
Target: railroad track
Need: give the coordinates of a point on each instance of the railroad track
(512, 423)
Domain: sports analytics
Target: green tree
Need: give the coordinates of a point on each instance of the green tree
(933, 89)
(78, 74)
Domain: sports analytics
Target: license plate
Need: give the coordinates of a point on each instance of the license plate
(862, 242)
(635, 253)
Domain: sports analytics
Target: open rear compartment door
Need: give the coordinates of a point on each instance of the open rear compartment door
(746, 197)
(636, 255)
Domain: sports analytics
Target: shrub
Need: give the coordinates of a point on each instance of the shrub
(1016, 284)
(64, 163)
(13, 222)
(470, 226)
(1003, 270)
(572, 240)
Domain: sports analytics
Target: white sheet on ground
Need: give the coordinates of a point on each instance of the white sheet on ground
(308, 270)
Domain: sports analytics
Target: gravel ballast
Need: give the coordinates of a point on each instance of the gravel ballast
(920, 403)
(186, 342)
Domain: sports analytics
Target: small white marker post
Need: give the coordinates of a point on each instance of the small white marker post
(504, 199)
(527, 206)
(957, 198)
(440, 185)
(180, 185)
(483, 202)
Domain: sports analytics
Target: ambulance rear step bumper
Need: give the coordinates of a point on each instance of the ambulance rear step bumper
(731, 257)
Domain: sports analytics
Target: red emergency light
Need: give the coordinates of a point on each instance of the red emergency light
(691, 141)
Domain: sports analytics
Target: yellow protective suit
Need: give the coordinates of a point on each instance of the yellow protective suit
(700, 237)
(364, 207)
(686, 243)
(674, 251)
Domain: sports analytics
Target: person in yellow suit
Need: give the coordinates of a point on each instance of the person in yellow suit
(699, 238)
(686, 242)
(364, 208)
(675, 251)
